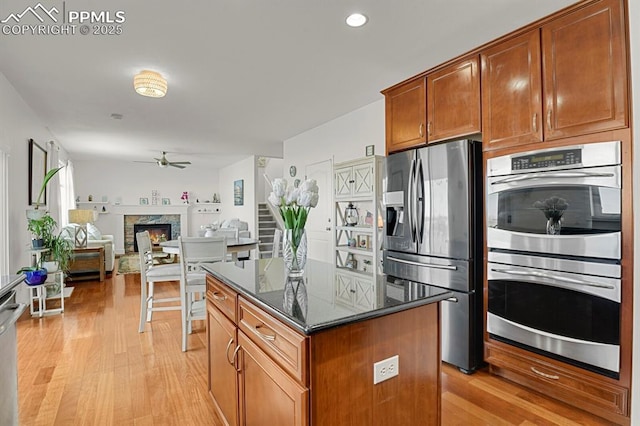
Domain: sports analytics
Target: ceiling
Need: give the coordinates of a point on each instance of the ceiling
(243, 75)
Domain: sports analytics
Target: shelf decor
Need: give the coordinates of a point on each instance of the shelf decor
(294, 204)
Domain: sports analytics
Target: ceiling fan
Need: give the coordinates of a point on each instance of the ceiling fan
(163, 162)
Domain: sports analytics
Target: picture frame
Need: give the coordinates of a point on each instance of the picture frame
(144, 201)
(37, 172)
(166, 201)
(369, 150)
(363, 241)
(238, 192)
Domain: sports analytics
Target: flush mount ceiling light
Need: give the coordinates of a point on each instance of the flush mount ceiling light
(150, 83)
(356, 20)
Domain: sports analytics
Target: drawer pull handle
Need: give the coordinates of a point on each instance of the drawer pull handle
(235, 354)
(535, 122)
(227, 351)
(217, 296)
(549, 120)
(420, 132)
(545, 375)
(269, 337)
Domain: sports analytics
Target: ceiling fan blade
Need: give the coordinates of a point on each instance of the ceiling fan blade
(149, 162)
(179, 162)
(176, 165)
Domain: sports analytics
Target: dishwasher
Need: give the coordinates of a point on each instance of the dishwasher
(9, 314)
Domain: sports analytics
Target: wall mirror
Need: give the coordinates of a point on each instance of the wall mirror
(37, 171)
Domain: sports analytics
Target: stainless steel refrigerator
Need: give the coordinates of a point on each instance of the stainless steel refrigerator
(433, 235)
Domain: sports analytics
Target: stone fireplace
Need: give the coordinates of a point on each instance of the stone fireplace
(160, 227)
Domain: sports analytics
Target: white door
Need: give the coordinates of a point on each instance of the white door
(319, 226)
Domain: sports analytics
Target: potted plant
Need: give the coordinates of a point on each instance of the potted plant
(36, 213)
(60, 252)
(42, 229)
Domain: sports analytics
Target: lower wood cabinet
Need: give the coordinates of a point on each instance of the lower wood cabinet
(573, 386)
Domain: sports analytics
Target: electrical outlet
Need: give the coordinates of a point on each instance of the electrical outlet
(386, 369)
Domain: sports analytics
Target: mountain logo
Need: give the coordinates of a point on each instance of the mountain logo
(39, 11)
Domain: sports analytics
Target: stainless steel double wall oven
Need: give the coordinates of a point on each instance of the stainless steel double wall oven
(554, 250)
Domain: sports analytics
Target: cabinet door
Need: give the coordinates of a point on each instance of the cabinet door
(363, 180)
(345, 293)
(343, 182)
(585, 71)
(365, 295)
(512, 92)
(269, 396)
(405, 115)
(453, 101)
(223, 382)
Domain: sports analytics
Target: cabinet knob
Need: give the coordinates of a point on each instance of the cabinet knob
(328, 228)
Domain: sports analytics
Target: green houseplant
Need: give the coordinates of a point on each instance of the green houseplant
(35, 212)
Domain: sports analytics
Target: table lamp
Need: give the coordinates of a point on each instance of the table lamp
(81, 217)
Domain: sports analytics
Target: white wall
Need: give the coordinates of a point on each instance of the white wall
(246, 170)
(342, 139)
(131, 181)
(634, 24)
(18, 124)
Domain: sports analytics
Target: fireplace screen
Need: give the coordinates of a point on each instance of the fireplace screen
(158, 232)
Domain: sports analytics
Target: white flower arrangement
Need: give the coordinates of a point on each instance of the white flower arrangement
(294, 203)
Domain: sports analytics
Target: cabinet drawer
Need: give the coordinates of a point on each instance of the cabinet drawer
(222, 297)
(581, 390)
(285, 346)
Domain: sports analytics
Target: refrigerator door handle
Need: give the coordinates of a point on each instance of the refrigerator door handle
(410, 195)
(422, 201)
(424, 265)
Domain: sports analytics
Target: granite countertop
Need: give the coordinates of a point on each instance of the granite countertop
(9, 282)
(308, 304)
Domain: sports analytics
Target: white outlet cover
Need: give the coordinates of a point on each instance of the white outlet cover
(386, 369)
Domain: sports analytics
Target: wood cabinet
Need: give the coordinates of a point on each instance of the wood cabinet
(263, 372)
(406, 115)
(512, 92)
(453, 100)
(565, 79)
(585, 71)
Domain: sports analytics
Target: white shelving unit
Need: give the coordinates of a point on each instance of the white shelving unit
(207, 208)
(52, 289)
(358, 182)
(102, 207)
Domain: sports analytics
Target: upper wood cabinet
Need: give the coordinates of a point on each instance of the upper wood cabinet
(512, 92)
(406, 115)
(453, 100)
(567, 79)
(585, 71)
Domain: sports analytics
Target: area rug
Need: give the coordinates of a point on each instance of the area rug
(130, 263)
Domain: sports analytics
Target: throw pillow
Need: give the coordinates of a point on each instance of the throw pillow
(93, 233)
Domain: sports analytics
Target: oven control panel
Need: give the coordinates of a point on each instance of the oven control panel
(546, 159)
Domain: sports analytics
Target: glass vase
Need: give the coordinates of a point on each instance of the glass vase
(294, 251)
(554, 226)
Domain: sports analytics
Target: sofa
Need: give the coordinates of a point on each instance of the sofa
(241, 226)
(95, 238)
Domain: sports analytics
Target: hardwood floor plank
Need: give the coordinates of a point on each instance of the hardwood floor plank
(90, 366)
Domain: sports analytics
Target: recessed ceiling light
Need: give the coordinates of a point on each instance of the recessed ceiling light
(356, 20)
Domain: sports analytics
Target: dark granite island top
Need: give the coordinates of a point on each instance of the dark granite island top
(309, 305)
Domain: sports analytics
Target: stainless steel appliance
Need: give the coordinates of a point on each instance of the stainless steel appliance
(554, 241)
(9, 314)
(433, 228)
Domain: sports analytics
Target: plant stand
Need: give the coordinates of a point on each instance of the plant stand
(38, 296)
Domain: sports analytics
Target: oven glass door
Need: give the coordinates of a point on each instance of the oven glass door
(572, 212)
(582, 328)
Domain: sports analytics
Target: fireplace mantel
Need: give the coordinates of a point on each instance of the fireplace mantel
(121, 210)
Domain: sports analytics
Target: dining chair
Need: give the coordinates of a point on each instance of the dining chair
(194, 251)
(228, 233)
(151, 274)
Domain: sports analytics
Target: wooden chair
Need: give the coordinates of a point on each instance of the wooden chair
(149, 275)
(194, 251)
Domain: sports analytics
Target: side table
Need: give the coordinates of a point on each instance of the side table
(87, 264)
(38, 295)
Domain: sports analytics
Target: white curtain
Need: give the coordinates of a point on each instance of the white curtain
(67, 192)
(4, 213)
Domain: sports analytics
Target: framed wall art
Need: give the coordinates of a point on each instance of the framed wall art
(238, 192)
(144, 201)
(37, 172)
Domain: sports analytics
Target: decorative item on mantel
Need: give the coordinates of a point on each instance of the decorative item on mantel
(294, 204)
(185, 197)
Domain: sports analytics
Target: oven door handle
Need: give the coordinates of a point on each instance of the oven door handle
(551, 175)
(425, 265)
(562, 279)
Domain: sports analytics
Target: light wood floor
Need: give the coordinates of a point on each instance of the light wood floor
(90, 366)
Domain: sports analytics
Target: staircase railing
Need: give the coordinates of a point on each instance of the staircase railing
(274, 212)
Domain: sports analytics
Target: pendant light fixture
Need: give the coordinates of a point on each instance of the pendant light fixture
(150, 83)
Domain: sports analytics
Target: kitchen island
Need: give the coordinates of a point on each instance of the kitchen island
(283, 351)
